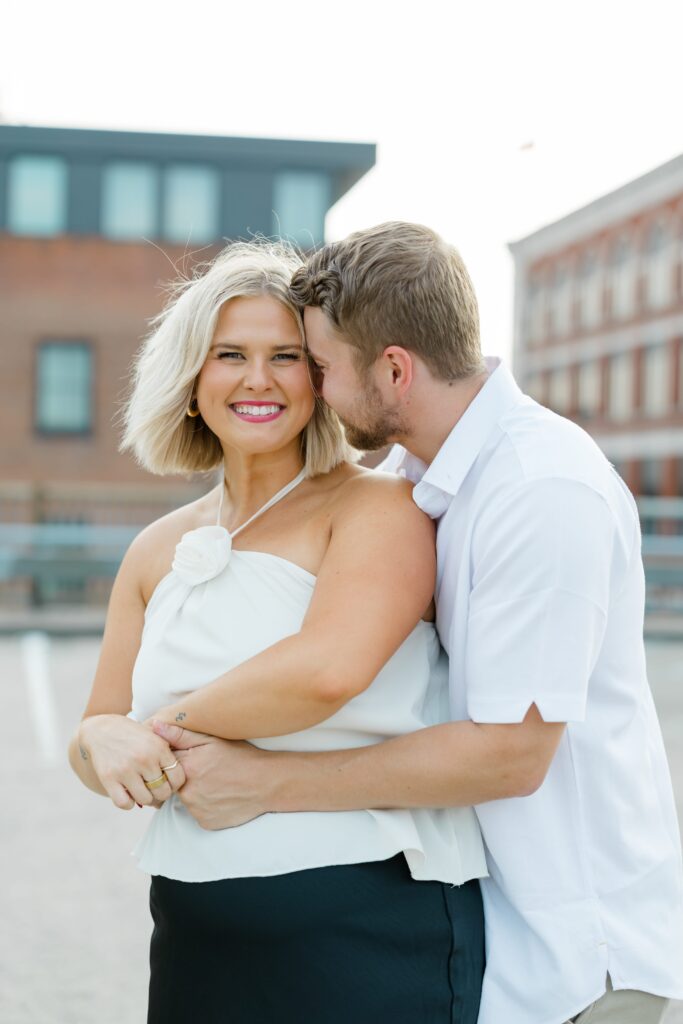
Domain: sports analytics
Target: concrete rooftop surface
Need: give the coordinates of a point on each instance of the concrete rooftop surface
(75, 925)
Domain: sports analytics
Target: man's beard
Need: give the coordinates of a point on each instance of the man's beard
(373, 426)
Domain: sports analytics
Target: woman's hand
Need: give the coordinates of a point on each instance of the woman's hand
(125, 755)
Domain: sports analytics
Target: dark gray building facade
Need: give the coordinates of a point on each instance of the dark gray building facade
(180, 189)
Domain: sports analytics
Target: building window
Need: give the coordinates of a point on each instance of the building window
(191, 202)
(621, 468)
(658, 267)
(129, 200)
(622, 275)
(535, 312)
(535, 387)
(63, 388)
(560, 391)
(590, 389)
(657, 381)
(621, 384)
(300, 202)
(37, 195)
(561, 305)
(590, 292)
(650, 478)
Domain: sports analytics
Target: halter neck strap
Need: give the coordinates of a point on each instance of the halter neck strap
(264, 508)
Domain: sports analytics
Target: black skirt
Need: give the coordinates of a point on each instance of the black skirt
(354, 944)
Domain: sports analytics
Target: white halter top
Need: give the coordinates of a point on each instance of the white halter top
(215, 609)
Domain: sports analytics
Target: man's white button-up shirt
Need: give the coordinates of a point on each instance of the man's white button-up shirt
(540, 596)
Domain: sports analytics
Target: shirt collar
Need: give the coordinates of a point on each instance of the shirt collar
(438, 483)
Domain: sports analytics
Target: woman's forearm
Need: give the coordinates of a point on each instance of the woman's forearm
(81, 762)
(284, 689)
(374, 583)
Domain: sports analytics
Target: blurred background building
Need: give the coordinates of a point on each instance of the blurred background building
(598, 337)
(93, 224)
(599, 325)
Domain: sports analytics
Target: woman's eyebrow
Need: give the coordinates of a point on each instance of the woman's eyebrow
(236, 347)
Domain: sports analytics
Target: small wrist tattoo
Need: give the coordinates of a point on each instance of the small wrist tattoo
(181, 716)
(84, 753)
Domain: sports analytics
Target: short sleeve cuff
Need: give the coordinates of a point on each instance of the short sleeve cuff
(555, 708)
(537, 648)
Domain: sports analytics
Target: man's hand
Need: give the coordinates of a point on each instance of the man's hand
(228, 782)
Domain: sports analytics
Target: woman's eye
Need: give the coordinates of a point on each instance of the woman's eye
(279, 357)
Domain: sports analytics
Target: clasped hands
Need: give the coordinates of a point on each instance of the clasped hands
(222, 783)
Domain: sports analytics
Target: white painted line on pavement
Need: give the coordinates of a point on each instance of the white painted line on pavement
(35, 649)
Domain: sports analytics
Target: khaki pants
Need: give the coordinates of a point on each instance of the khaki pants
(623, 1007)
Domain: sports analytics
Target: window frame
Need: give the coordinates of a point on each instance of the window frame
(46, 433)
(165, 207)
(589, 291)
(561, 300)
(155, 207)
(593, 365)
(658, 266)
(622, 275)
(560, 380)
(64, 185)
(656, 405)
(619, 411)
(279, 177)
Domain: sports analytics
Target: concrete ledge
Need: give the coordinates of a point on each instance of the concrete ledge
(664, 625)
(64, 620)
(74, 620)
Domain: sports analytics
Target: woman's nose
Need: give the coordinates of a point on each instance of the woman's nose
(257, 375)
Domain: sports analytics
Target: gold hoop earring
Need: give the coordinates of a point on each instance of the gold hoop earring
(193, 408)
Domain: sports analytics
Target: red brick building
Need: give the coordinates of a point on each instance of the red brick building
(599, 324)
(93, 224)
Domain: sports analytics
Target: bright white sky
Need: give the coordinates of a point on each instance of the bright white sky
(492, 117)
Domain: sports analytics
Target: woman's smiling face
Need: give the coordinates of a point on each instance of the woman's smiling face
(254, 390)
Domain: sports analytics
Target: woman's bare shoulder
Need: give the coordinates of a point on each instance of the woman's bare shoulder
(364, 486)
(367, 496)
(150, 555)
(376, 523)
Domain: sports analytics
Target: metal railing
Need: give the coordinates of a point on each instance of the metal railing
(71, 563)
(662, 527)
(48, 563)
(62, 544)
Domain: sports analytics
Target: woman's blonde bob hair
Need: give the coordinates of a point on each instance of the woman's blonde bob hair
(157, 428)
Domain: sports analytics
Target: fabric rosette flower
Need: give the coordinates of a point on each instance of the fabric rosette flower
(202, 554)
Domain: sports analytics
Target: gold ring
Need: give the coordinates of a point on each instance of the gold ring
(169, 766)
(155, 783)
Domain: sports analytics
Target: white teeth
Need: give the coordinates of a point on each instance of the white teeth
(257, 410)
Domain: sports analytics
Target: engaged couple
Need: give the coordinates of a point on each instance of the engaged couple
(453, 805)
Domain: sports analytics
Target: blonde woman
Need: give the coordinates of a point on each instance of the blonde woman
(290, 606)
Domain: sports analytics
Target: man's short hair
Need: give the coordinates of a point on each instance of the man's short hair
(397, 284)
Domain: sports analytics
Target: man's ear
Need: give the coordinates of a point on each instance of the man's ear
(397, 366)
